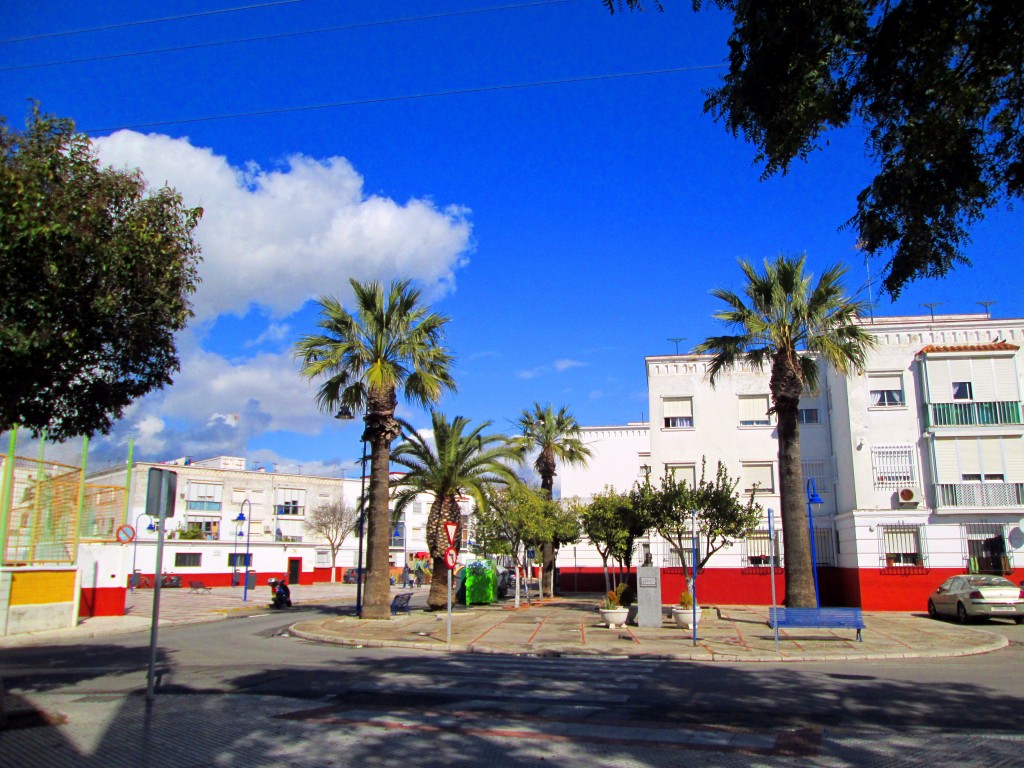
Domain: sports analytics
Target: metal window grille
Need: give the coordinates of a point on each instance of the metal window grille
(239, 560)
(893, 466)
(676, 557)
(825, 547)
(757, 549)
(188, 559)
(821, 471)
(323, 558)
(901, 545)
(985, 549)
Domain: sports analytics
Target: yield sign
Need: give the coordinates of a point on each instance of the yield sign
(451, 529)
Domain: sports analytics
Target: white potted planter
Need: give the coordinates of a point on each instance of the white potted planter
(614, 617)
(684, 617)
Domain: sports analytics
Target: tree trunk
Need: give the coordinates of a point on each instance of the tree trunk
(441, 511)
(546, 467)
(799, 570)
(381, 430)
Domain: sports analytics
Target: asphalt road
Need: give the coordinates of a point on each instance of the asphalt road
(864, 713)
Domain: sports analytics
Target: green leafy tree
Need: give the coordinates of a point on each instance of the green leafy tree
(938, 87)
(554, 437)
(390, 344)
(712, 504)
(517, 518)
(97, 278)
(612, 523)
(790, 328)
(460, 462)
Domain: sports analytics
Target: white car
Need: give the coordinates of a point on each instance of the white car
(977, 596)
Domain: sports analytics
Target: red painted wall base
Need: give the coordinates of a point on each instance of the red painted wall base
(96, 601)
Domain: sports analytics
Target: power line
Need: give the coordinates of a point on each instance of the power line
(280, 35)
(407, 97)
(142, 22)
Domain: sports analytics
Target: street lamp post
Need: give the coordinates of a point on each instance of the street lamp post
(813, 499)
(135, 546)
(234, 560)
(248, 530)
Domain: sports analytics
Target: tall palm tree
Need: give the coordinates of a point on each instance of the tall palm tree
(790, 327)
(389, 344)
(555, 437)
(462, 462)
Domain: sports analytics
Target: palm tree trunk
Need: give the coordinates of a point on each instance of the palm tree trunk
(548, 551)
(441, 511)
(799, 569)
(381, 430)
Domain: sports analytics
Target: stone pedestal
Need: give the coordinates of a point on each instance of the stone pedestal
(648, 592)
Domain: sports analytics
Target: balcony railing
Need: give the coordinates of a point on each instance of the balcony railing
(980, 494)
(973, 413)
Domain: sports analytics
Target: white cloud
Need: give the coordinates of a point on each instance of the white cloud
(280, 237)
(558, 366)
(275, 333)
(565, 364)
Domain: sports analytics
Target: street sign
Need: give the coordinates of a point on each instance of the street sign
(450, 557)
(451, 529)
(125, 534)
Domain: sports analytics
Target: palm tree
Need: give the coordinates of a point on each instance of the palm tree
(790, 328)
(462, 462)
(390, 344)
(555, 437)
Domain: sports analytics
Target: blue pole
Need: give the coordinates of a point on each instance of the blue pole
(248, 530)
(813, 498)
(693, 589)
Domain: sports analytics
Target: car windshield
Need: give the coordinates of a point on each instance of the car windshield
(988, 581)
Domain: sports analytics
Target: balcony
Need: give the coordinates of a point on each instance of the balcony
(980, 494)
(972, 413)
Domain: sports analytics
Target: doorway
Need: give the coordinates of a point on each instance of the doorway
(294, 569)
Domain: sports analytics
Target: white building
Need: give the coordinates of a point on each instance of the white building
(919, 461)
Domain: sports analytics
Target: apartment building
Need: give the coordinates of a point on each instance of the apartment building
(918, 462)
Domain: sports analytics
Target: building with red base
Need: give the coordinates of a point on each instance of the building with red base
(918, 461)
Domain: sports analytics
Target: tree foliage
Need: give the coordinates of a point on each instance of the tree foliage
(720, 515)
(390, 344)
(332, 521)
(459, 461)
(785, 324)
(97, 278)
(612, 522)
(938, 86)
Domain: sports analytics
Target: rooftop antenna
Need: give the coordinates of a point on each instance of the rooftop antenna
(932, 305)
(986, 305)
(677, 339)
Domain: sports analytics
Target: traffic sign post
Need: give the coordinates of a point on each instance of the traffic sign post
(451, 557)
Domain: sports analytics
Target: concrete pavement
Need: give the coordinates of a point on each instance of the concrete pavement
(566, 626)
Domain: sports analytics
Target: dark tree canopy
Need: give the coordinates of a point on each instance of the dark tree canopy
(937, 84)
(97, 276)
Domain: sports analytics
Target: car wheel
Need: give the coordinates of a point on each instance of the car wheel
(931, 610)
(961, 613)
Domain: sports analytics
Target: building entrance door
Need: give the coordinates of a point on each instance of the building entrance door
(294, 569)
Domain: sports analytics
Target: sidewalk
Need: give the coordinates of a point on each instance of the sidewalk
(571, 627)
(564, 626)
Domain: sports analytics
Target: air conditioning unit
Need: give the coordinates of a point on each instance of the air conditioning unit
(909, 496)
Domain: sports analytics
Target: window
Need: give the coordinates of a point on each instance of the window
(901, 545)
(677, 557)
(204, 497)
(289, 501)
(759, 475)
(678, 412)
(240, 560)
(962, 390)
(754, 411)
(886, 390)
(821, 471)
(398, 536)
(807, 416)
(757, 549)
(209, 528)
(985, 545)
(188, 559)
(683, 473)
(323, 558)
(893, 466)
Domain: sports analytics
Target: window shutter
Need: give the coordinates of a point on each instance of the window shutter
(678, 407)
(886, 382)
(754, 408)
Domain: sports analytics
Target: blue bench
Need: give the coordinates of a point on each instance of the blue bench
(401, 603)
(817, 618)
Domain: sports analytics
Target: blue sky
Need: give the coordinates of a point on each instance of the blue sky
(544, 170)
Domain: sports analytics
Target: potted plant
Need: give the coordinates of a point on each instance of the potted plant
(612, 613)
(684, 614)
(627, 599)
